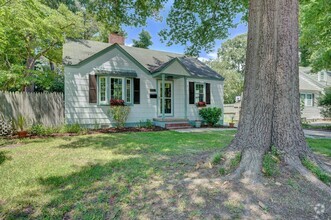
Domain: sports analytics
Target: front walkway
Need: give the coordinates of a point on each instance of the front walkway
(308, 133)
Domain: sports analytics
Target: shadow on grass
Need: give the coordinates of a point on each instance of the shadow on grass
(4, 157)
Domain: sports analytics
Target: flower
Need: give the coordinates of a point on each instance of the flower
(201, 104)
(117, 102)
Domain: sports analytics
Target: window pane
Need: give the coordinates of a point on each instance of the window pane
(116, 88)
(128, 90)
(102, 89)
(199, 93)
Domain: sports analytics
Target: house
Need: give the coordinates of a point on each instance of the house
(311, 86)
(97, 72)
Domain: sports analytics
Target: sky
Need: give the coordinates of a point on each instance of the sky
(154, 27)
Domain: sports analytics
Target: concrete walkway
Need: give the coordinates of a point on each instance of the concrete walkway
(308, 133)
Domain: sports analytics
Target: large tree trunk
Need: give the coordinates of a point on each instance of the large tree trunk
(270, 114)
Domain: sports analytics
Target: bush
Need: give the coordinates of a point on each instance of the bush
(73, 128)
(120, 114)
(41, 130)
(146, 124)
(211, 115)
(325, 102)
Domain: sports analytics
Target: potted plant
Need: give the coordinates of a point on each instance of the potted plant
(231, 124)
(201, 104)
(20, 124)
(197, 123)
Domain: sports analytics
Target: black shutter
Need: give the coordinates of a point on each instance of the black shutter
(136, 92)
(92, 88)
(208, 93)
(312, 99)
(191, 92)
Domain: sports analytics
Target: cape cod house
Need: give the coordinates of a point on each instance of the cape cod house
(159, 86)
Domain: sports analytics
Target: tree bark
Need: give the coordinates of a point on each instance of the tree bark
(270, 114)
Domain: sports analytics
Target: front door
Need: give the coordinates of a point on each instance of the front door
(168, 108)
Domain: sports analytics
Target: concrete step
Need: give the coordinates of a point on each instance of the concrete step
(181, 127)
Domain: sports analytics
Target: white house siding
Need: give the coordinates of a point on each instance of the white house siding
(77, 106)
(216, 97)
(79, 110)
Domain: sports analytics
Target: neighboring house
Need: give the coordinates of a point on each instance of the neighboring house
(311, 86)
(97, 72)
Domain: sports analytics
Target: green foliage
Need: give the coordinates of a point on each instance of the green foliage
(315, 169)
(234, 162)
(73, 128)
(144, 40)
(231, 64)
(20, 122)
(33, 32)
(120, 115)
(325, 102)
(315, 32)
(146, 124)
(270, 163)
(216, 159)
(41, 130)
(211, 115)
(197, 24)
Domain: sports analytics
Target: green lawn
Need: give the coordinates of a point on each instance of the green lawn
(94, 176)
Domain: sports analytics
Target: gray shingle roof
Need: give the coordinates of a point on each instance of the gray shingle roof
(76, 51)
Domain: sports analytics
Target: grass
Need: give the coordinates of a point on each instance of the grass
(98, 176)
(216, 159)
(86, 175)
(318, 127)
(315, 169)
(322, 146)
(270, 163)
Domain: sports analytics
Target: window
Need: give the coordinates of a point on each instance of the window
(128, 90)
(321, 76)
(199, 92)
(103, 90)
(307, 99)
(116, 88)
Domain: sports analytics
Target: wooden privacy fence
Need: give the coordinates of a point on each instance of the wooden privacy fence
(44, 108)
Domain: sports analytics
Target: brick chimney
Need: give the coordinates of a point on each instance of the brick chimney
(116, 37)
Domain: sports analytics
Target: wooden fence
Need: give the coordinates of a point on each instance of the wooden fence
(45, 108)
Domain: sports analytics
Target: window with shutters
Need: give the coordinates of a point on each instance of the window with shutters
(114, 88)
(200, 95)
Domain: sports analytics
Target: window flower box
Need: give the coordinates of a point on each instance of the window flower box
(201, 104)
(117, 102)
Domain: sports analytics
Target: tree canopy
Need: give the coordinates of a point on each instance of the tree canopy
(315, 34)
(144, 40)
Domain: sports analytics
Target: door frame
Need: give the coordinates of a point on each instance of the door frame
(159, 113)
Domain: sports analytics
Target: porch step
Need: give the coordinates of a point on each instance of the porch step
(173, 126)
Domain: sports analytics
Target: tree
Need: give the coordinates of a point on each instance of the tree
(233, 52)
(270, 114)
(144, 40)
(315, 40)
(230, 63)
(33, 31)
(325, 102)
(234, 82)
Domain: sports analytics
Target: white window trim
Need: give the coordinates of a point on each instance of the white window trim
(305, 100)
(204, 91)
(131, 90)
(106, 90)
(123, 86)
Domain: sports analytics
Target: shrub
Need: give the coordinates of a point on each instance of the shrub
(41, 130)
(120, 114)
(325, 102)
(211, 115)
(73, 128)
(315, 169)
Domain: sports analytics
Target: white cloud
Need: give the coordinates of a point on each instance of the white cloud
(203, 59)
(212, 55)
(129, 44)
